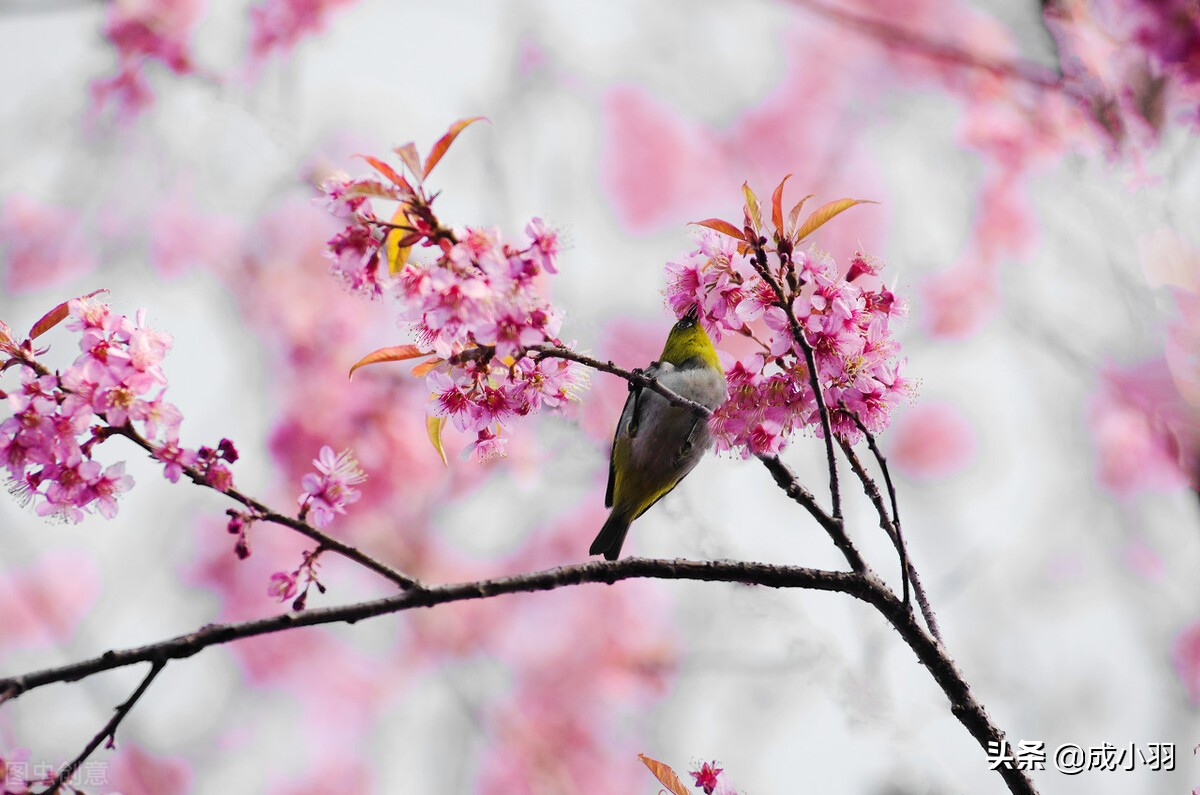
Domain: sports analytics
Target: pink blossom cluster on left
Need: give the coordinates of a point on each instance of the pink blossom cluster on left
(46, 446)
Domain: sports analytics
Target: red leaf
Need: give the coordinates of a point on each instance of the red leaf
(823, 213)
(776, 208)
(373, 187)
(395, 353)
(389, 172)
(444, 142)
(408, 153)
(724, 227)
(55, 316)
(422, 369)
(665, 775)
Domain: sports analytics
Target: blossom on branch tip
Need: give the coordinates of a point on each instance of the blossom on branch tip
(706, 777)
(330, 489)
(115, 384)
(282, 586)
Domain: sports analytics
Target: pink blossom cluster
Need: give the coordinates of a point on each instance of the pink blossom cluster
(293, 585)
(279, 25)
(845, 322)
(330, 489)
(477, 307)
(143, 31)
(357, 251)
(46, 446)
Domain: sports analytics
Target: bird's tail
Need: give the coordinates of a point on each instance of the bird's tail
(610, 538)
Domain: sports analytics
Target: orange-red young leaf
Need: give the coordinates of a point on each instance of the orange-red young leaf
(408, 153)
(422, 369)
(752, 209)
(777, 208)
(433, 426)
(370, 187)
(389, 172)
(724, 227)
(49, 320)
(395, 353)
(444, 142)
(55, 316)
(824, 213)
(664, 774)
(794, 215)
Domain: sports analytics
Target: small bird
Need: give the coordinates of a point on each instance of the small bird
(657, 444)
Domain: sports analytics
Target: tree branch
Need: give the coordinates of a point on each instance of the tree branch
(863, 586)
(109, 731)
(896, 36)
(184, 646)
(786, 480)
(263, 513)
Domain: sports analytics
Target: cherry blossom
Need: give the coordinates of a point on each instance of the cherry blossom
(476, 305)
(844, 320)
(330, 489)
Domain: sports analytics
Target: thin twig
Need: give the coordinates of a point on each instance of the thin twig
(1023, 71)
(786, 480)
(760, 264)
(908, 571)
(109, 731)
(635, 377)
(263, 513)
(885, 522)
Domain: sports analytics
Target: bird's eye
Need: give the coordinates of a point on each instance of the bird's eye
(687, 322)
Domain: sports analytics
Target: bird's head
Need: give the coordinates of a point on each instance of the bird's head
(688, 340)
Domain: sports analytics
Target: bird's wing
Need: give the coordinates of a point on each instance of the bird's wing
(626, 427)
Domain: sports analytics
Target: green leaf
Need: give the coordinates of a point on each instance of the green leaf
(434, 426)
(753, 212)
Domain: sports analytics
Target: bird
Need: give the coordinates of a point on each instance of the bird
(656, 444)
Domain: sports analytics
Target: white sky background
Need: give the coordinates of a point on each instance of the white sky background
(1023, 555)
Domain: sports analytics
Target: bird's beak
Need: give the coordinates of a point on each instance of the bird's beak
(692, 314)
